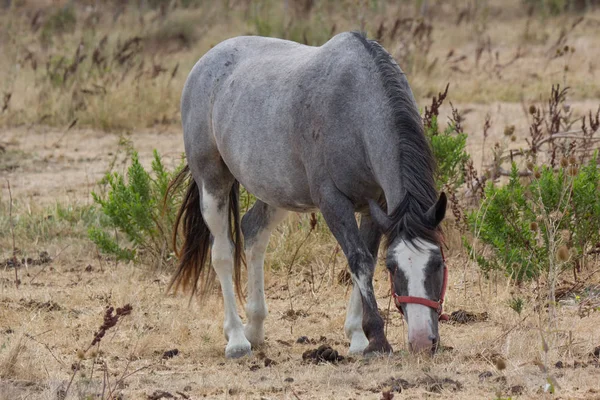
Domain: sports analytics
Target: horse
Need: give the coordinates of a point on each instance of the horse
(334, 129)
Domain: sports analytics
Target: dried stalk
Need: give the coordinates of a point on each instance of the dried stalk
(12, 232)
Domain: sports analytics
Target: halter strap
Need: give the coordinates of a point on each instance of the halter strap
(436, 305)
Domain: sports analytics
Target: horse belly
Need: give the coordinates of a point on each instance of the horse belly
(283, 185)
(281, 193)
(271, 172)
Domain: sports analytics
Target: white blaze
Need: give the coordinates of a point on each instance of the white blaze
(412, 260)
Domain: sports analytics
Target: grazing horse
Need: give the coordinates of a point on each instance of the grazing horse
(333, 128)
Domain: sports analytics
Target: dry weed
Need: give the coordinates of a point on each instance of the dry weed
(491, 53)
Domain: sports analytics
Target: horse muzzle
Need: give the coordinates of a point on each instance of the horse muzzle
(423, 343)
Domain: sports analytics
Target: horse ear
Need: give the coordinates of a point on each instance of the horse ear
(437, 212)
(382, 220)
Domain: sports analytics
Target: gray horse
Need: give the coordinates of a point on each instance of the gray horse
(332, 128)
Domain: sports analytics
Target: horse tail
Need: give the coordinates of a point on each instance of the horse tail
(236, 237)
(195, 252)
(196, 236)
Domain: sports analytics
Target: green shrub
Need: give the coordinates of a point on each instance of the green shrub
(449, 145)
(532, 224)
(449, 150)
(135, 224)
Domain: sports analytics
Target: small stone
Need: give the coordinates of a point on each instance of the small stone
(596, 352)
(484, 375)
(517, 390)
(303, 340)
(334, 356)
(326, 355)
(170, 353)
(269, 362)
(501, 379)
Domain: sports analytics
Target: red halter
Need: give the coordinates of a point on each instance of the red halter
(436, 305)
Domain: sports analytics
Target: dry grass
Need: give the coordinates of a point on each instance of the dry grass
(58, 307)
(52, 169)
(490, 53)
(44, 340)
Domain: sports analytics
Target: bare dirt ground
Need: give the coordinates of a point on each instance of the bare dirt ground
(60, 305)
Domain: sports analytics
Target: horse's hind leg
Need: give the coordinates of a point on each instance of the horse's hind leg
(257, 225)
(353, 326)
(214, 204)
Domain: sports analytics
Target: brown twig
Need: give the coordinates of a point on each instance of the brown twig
(433, 111)
(109, 321)
(318, 290)
(12, 232)
(117, 383)
(504, 334)
(46, 346)
(71, 125)
(334, 253)
(313, 224)
(45, 265)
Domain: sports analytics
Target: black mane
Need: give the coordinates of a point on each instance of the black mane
(417, 164)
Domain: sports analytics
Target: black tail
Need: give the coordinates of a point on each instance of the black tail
(196, 238)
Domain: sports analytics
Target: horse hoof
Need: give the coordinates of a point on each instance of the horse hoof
(255, 336)
(378, 348)
(356, 350)
(358, 345)
(238, 351)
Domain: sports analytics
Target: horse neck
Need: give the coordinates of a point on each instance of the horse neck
(396, 181)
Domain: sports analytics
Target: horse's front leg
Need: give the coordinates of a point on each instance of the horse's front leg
(338, 212)
(353, 325)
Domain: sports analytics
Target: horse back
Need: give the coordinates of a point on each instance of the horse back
(282, 115)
